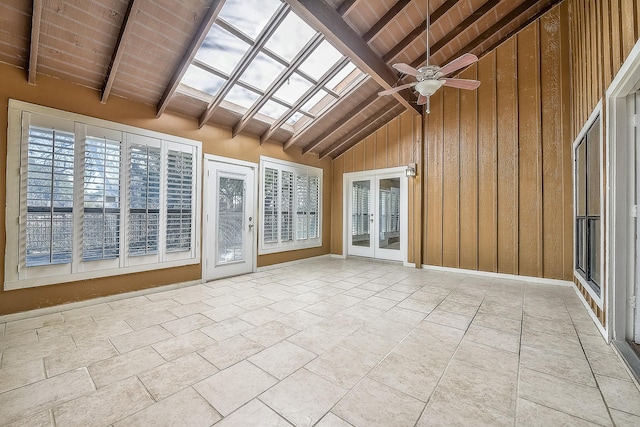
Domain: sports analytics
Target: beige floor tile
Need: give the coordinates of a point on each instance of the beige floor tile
(493, 338)
(323, 309)
(33, 323)
(33, 398)
(447, 318)
(140, 338)
(548, 326)
(595, 345)
(225, 312)
(282, 359)
(332, 420)
(227, 328)
(531, 414)
(503, 324)
(23, 353)
(145, 320)
(619, 394)
(315, 339)
(123, 366)
(185, 408)
(446, 410)
(488, 358)
(41, 419)
(344, 300)
(2, 327)
(403, 315)
(189, 309)
(405, 375)
(254, 303)
(119, 315)
(359, 293)
(554, 343)
(381, 303)
(270, 333)
(623, 419)
(464, 309)
(68, 327)
(16, 376)
(109, 404)
(171, 377)
(104, 332)
(187, 324)
(184, 344)
(496, 309)
(19, 338)
(372, 403)
(56, 364)
(254, 413)
(91, 310)
(417, 305)
(608, 365)
(303, 398)
(288, 306)
(489, 388)
(342, 366)
(369, 342)
(557, 365)
(300, 319)
(393, 295)
(137, 302)
(391, 328)
(363, 312)
(233, 387)
(565, 396)
(586, 327)
(230, 351)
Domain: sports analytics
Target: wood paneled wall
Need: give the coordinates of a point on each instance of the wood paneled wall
(498, 160)
(602, 36)
(397, 143)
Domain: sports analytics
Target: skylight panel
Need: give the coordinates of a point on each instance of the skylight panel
(294, 118)
(241, 96)
(335, 83)
(261, 72)
(221, 50)
(249, 16)
(293, 89)
(320, 60)
(273, 109)
(290, 37)
(202, 80)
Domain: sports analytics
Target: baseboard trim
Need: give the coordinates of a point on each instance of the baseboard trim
(543, 280)
(294, 262)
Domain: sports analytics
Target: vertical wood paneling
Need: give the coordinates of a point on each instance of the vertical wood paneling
(628, 16)
(553, 206)
(348, 160)
(336, 215)
(393, 142)
(370, 152)
(434, 182)
(606, 40)
(407, 140)
(468, 215)
(530, 153)
(415, 239)
(507, 107)
(566, 116)
(487, 165)
(358, 157)
(451, 179)
(381, 148)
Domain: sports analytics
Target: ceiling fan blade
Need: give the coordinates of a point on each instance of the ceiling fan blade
(462, 83)
(422, 100)
(460, 62)
(397, 89)
(406, 69)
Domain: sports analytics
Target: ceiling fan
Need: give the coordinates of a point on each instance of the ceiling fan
(430, 78)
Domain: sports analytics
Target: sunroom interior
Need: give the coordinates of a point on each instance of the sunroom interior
(155, 146)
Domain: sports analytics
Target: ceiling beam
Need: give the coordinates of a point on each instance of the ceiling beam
(419, 30)
(321, 17)
(202, 31)
(360, 132)
(36, 18)
(388, 17)
(306, 126)
(125, 34)
(244, 63)
(337, 125)
(346, 7)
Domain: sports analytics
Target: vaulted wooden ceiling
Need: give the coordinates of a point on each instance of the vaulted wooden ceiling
(141, 49)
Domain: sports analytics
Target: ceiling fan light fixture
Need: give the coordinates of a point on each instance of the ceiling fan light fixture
(428, 87)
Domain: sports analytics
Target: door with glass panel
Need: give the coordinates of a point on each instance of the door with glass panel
(377, 215)
(229, 220)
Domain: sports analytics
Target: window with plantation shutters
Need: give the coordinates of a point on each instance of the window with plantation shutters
(291, 204)
(96, 198)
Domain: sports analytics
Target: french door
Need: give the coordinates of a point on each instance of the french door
(229, 219)
(377, 215)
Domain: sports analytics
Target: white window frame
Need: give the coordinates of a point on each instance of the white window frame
(296, 169)
(17, 275)
(595, 114)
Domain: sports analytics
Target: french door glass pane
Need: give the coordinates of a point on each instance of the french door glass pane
(360, 195)
(230, 220)
(389, 214)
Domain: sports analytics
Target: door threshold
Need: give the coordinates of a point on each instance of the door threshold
(630, 356)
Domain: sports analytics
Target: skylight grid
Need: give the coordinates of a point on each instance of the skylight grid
(249, 16)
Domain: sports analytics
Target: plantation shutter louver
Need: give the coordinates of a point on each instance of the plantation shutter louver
(314, 206)
(144, 199)
(302, 206)
(179, 200)
(270, 227)
(286, 207)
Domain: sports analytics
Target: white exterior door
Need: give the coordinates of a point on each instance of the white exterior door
(229, 218)
(635, 153)
(377, 215)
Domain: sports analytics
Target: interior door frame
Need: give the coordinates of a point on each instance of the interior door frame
(375, 174)
(208, 192)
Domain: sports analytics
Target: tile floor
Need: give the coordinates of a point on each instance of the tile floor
(327, 342)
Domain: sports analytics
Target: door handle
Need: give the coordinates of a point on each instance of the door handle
(250, 227)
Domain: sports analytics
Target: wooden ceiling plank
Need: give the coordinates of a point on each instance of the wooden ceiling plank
(190, 53)
(337, 125)
(388, 17)
(347, 41)
(346, 7)
(123, 37)
(36, 19)
(277, 83)
(244, 63)
(299, 133)
(357, 133)
(418, 31)
(306, 97)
